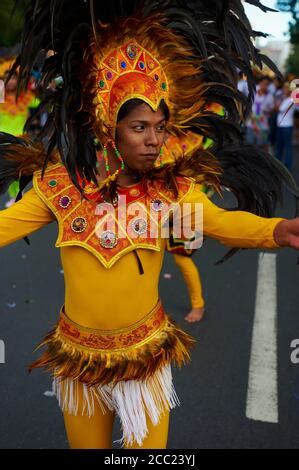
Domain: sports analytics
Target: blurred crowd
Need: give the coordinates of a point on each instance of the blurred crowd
(274, 114)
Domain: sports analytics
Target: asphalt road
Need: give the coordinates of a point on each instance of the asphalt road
(212, 389)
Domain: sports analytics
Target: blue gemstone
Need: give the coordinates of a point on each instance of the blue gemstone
(123, 65)
(141, 65)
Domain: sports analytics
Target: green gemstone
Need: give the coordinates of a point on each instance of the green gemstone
(52, 183)
(101, 84)
(164, 86)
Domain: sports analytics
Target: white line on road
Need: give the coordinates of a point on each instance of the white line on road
(262, 402)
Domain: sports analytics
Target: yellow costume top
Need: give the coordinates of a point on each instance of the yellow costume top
(110, 297)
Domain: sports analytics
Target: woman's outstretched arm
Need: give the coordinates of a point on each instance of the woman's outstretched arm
(242, 229)
(24, 217)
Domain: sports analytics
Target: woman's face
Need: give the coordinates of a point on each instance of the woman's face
(140, 136)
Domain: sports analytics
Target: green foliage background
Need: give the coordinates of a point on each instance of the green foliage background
(11, 22)
(292, 6)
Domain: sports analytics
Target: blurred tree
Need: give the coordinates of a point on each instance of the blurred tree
(292, 6)
(11, 21)
(293, 60)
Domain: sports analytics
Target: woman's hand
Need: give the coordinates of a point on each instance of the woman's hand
(286, 233)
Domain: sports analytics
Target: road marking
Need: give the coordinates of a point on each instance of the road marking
(2, 352)
(262, 401)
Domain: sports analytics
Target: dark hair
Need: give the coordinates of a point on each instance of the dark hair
(130, 105)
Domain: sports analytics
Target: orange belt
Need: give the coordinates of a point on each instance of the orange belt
(135, 335)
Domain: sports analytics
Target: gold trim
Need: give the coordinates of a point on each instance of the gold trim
(158, 245)
(112, 261)
(117, 332)
(91, 350)
(72, 211)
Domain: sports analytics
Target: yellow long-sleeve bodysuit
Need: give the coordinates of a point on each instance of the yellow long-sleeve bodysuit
(110, 299)
(191, 275)
(107, 298)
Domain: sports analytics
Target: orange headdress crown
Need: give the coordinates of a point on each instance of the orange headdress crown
(141, 58)
(128, 72)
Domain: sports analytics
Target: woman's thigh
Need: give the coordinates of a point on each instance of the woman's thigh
(84, 432)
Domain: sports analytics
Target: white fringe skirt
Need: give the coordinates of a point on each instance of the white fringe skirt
(132, 401)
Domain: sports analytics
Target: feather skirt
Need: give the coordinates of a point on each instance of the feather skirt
(127, 370)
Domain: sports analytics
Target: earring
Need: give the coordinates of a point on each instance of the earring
(105, 155)
(117, 153)
(120, 158)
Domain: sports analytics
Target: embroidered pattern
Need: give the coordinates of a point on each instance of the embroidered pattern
(80, 223)
(113, 339)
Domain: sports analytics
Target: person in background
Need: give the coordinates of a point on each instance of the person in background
(242, 84)
(258, 123)
(285, 128)
(181, 255)
(276, 88)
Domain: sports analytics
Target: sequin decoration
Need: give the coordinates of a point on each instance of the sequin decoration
(132, 51)
(108, 239)
(151, 64)
(157, 205)
(52, 183)
(139, 226)
(79, 224)
(134, 192)
(64, 201)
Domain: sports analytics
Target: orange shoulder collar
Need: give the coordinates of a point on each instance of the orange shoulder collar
(92, 225)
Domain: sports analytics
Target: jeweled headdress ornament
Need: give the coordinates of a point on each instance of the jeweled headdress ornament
(141, 58)
(126, 73)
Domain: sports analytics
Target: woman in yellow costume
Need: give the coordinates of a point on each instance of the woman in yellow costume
(129, 74)
(187, 144)
(175, 147)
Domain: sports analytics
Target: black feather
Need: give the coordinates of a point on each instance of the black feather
(217, 32)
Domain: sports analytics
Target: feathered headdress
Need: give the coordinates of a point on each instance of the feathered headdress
(197, 48)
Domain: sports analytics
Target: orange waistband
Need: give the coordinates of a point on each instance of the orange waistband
(136, 334)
